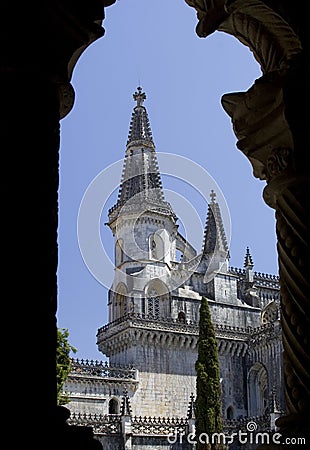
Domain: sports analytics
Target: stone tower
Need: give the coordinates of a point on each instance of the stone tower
(147, 281)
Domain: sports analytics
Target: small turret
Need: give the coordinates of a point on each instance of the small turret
(248, 266)
(251, 292)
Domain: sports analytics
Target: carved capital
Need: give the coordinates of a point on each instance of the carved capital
(259, 123)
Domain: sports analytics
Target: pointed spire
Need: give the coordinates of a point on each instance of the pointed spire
(214, 237)
(248, 261)
(141, 179)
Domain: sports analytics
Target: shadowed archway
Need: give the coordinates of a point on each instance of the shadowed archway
(272, 132)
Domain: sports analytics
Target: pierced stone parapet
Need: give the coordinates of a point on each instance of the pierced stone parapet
(260, 278)
(150, 322)
(233, 333)
(101, 424)
(265, 334)
(158, 426)
(94, 369)
(145, 426)
(135, 328)
(237, 271)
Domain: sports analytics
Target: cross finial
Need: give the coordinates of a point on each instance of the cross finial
(139, 96)
(212, 196)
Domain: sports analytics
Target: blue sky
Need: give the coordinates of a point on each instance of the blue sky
(154, 44)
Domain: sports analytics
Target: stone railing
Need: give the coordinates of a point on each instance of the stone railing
(174, 325)
(158, 426)
(162, 426)
(260, 275)
(265, 333)
(150, 321)
(260, 279)
(85, 367)
(101, 424)
(143, 426)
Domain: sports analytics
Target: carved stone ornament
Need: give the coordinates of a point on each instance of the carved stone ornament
(258, 121)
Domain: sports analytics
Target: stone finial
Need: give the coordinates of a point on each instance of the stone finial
(248, 261)
(212, 196)
(139, 96)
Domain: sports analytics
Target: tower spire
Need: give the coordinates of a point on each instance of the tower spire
(141, 180)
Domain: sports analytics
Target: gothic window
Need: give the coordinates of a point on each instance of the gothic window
(257, 390)
(153, 304)
(181, 317)
(230, 413)
(120, 307)
(113, 406)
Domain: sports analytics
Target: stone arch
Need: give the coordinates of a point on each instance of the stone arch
(157, 299)
(114, 406)
(159, 246)
(270, 38)
(270, 313)
(84, 20)
(258, 392)
(120, 301)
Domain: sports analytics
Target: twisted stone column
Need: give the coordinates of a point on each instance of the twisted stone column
(289, 195)
(272, 132)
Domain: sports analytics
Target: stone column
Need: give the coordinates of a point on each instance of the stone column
(272, 132)
(289, 195)
(40, 46)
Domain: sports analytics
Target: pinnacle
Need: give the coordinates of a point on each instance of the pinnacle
(248, 261)
(215, 237)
